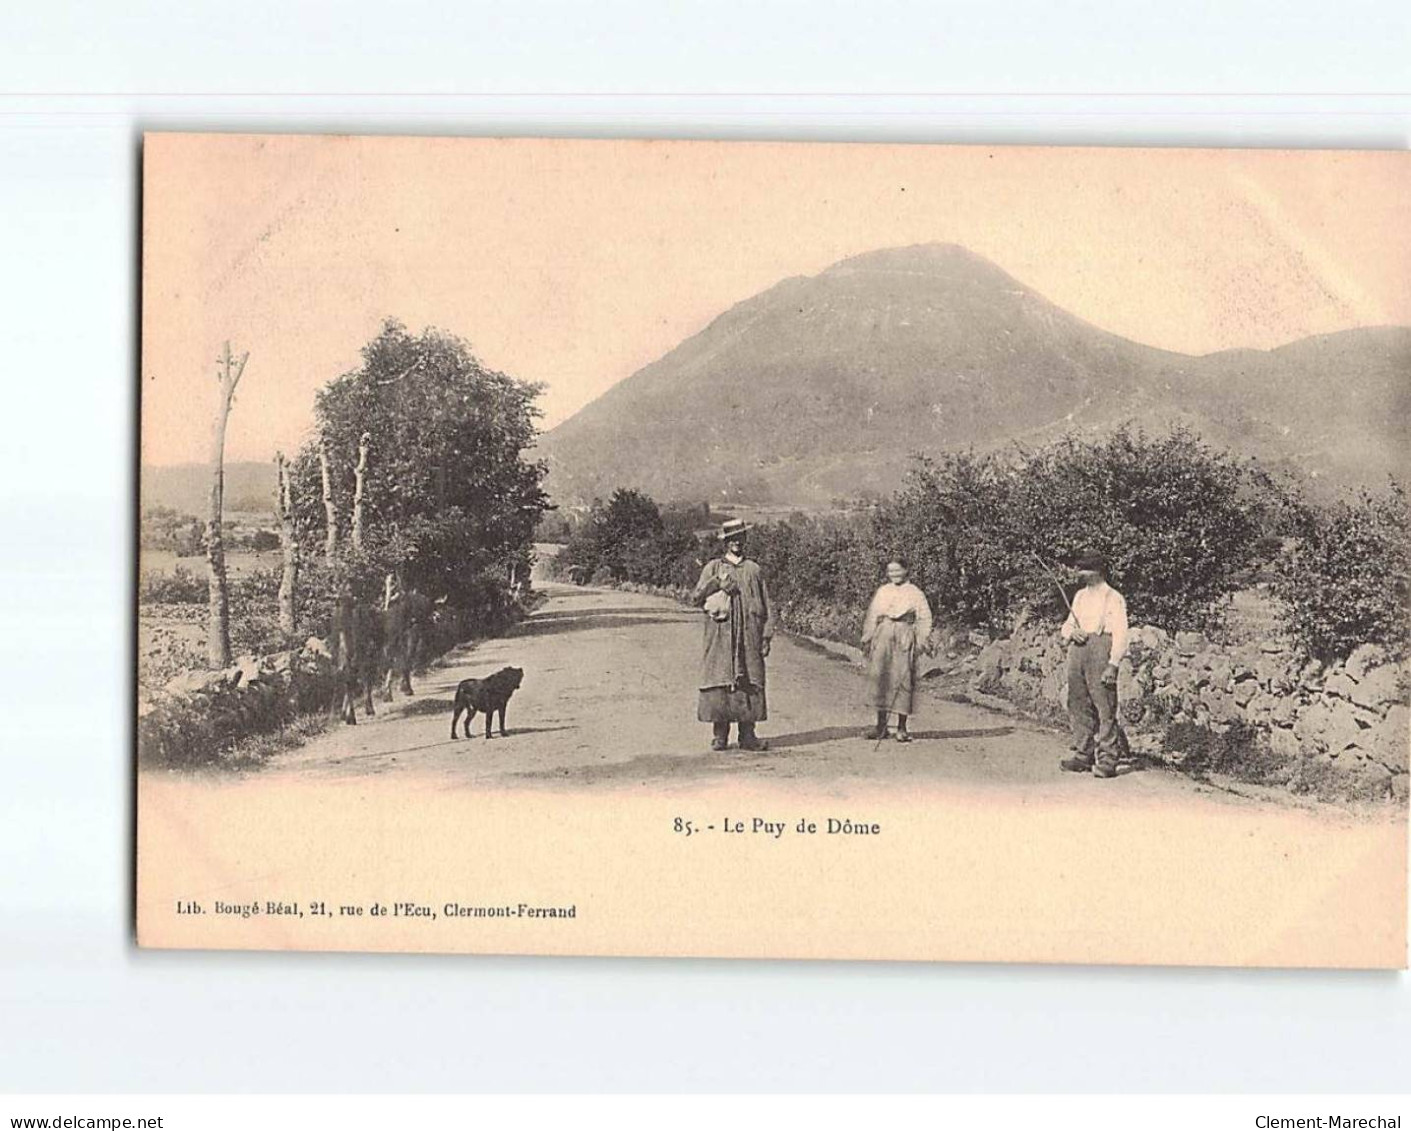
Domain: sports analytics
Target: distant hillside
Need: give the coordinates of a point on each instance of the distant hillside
(823, 387)
(186, 487)
(1335, 405)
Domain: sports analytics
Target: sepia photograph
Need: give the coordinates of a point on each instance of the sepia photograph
(774, 550)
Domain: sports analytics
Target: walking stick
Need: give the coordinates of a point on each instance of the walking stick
(1043, 565)
(882, 730)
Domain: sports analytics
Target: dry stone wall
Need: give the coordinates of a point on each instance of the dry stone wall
(199, 715)
(1340, 730)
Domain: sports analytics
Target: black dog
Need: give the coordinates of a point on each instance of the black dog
(489, 695)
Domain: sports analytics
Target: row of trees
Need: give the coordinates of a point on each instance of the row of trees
(1185, 527)
(412, 495)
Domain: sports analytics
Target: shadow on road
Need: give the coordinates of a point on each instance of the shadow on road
(415, 707)
(477, 732)
(546, 626)
(834, 734)
(812, 737)
(603, 611)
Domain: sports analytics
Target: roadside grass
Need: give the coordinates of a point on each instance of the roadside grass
(254, 751)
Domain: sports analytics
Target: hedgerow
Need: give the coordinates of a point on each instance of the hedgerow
(1346, 581)
(989, 538)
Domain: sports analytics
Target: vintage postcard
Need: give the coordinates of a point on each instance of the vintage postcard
(774, 550)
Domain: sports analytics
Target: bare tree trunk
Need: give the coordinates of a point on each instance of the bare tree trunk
(330, 543)
(391, 632)
(344, 649)
(289, 581)
(359, 482)
(218, 618)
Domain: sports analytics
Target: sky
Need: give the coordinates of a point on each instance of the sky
(575, 263)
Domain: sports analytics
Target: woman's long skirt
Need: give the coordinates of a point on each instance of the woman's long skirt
(891, 668)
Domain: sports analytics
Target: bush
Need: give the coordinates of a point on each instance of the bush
(554, 527)
(1239, 752)
(254, 613)
(215, 720)
(821, 573)
(954, 523)
(1178, 521)
(986, 535)
(165, 650)
(627, 540)
(1184, 527)
(180, 587)
(1346, 581)
(163, 528)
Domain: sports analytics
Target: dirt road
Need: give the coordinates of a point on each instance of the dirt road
(609, 700)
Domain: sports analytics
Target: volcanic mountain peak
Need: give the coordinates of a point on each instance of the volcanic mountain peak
(935, 259)
(826, 385)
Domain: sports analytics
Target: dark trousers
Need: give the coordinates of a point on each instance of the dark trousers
(722, 731)
(1092, 705)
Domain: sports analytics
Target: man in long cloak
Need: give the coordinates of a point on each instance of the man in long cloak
(739, 625)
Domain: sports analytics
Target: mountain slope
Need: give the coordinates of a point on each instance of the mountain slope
(825, 386)
(186, 487)
(1336, 405)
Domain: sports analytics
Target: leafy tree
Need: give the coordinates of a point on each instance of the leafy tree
(449, 502)
(1347, 579)
(555, 527)
(1178, 521)
(951, 522)
(627, 539)
(603, 541)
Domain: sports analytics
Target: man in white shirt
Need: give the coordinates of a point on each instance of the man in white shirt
(1096, 630)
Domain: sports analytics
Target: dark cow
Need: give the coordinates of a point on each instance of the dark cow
(357, 657)
(404, 624)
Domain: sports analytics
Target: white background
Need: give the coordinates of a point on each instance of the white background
(81, 1009)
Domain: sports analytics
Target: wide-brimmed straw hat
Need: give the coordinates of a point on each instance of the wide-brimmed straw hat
(733, 528)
